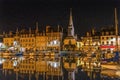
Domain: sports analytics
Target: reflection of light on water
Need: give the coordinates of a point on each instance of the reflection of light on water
(118, 73)
(2, 61)
(15, 63)
(17, 60)
(21, 58)
(54, 64)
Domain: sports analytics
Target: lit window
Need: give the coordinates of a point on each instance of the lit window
(111, 33)
(102, 33)
(107, 33)
(55, 42)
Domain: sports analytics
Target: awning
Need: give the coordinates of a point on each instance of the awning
(105, 46)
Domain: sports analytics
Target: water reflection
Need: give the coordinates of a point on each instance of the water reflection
(39, 67)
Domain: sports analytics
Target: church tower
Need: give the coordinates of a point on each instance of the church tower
(69, 42)
(70, 26)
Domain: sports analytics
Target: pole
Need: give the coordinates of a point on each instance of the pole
(116, 29)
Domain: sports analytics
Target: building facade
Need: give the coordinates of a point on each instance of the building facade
(108, 38)
(50, 39)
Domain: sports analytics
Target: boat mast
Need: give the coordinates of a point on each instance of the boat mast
(116, 29)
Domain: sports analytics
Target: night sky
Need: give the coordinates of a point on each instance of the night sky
(86, 13)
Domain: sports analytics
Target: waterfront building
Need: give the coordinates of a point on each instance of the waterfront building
(108, 38)
(50, 39)
(95, 38)
(55, 38)
(86, 41)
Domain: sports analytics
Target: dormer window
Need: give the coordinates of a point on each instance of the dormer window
(107, 33)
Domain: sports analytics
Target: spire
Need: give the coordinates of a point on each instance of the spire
(36, 27)
(70, 21)
(71, 27)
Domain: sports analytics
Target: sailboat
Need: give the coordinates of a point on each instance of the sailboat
(113, 69)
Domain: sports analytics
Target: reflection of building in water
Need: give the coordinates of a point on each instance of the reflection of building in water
(8, 64)
(26, 66)
(32, 66)
(7, 67)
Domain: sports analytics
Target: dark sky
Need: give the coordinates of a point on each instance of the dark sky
(86, 13)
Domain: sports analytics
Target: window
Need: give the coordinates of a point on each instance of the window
(102, 43)
(48, 42)
(26, 40)
(102, 37)
(29, 40)
(111, 33)
(107, 33)
(32, 40)
(102, 33)
(107, 37)
(111, 42)
(107, 42)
